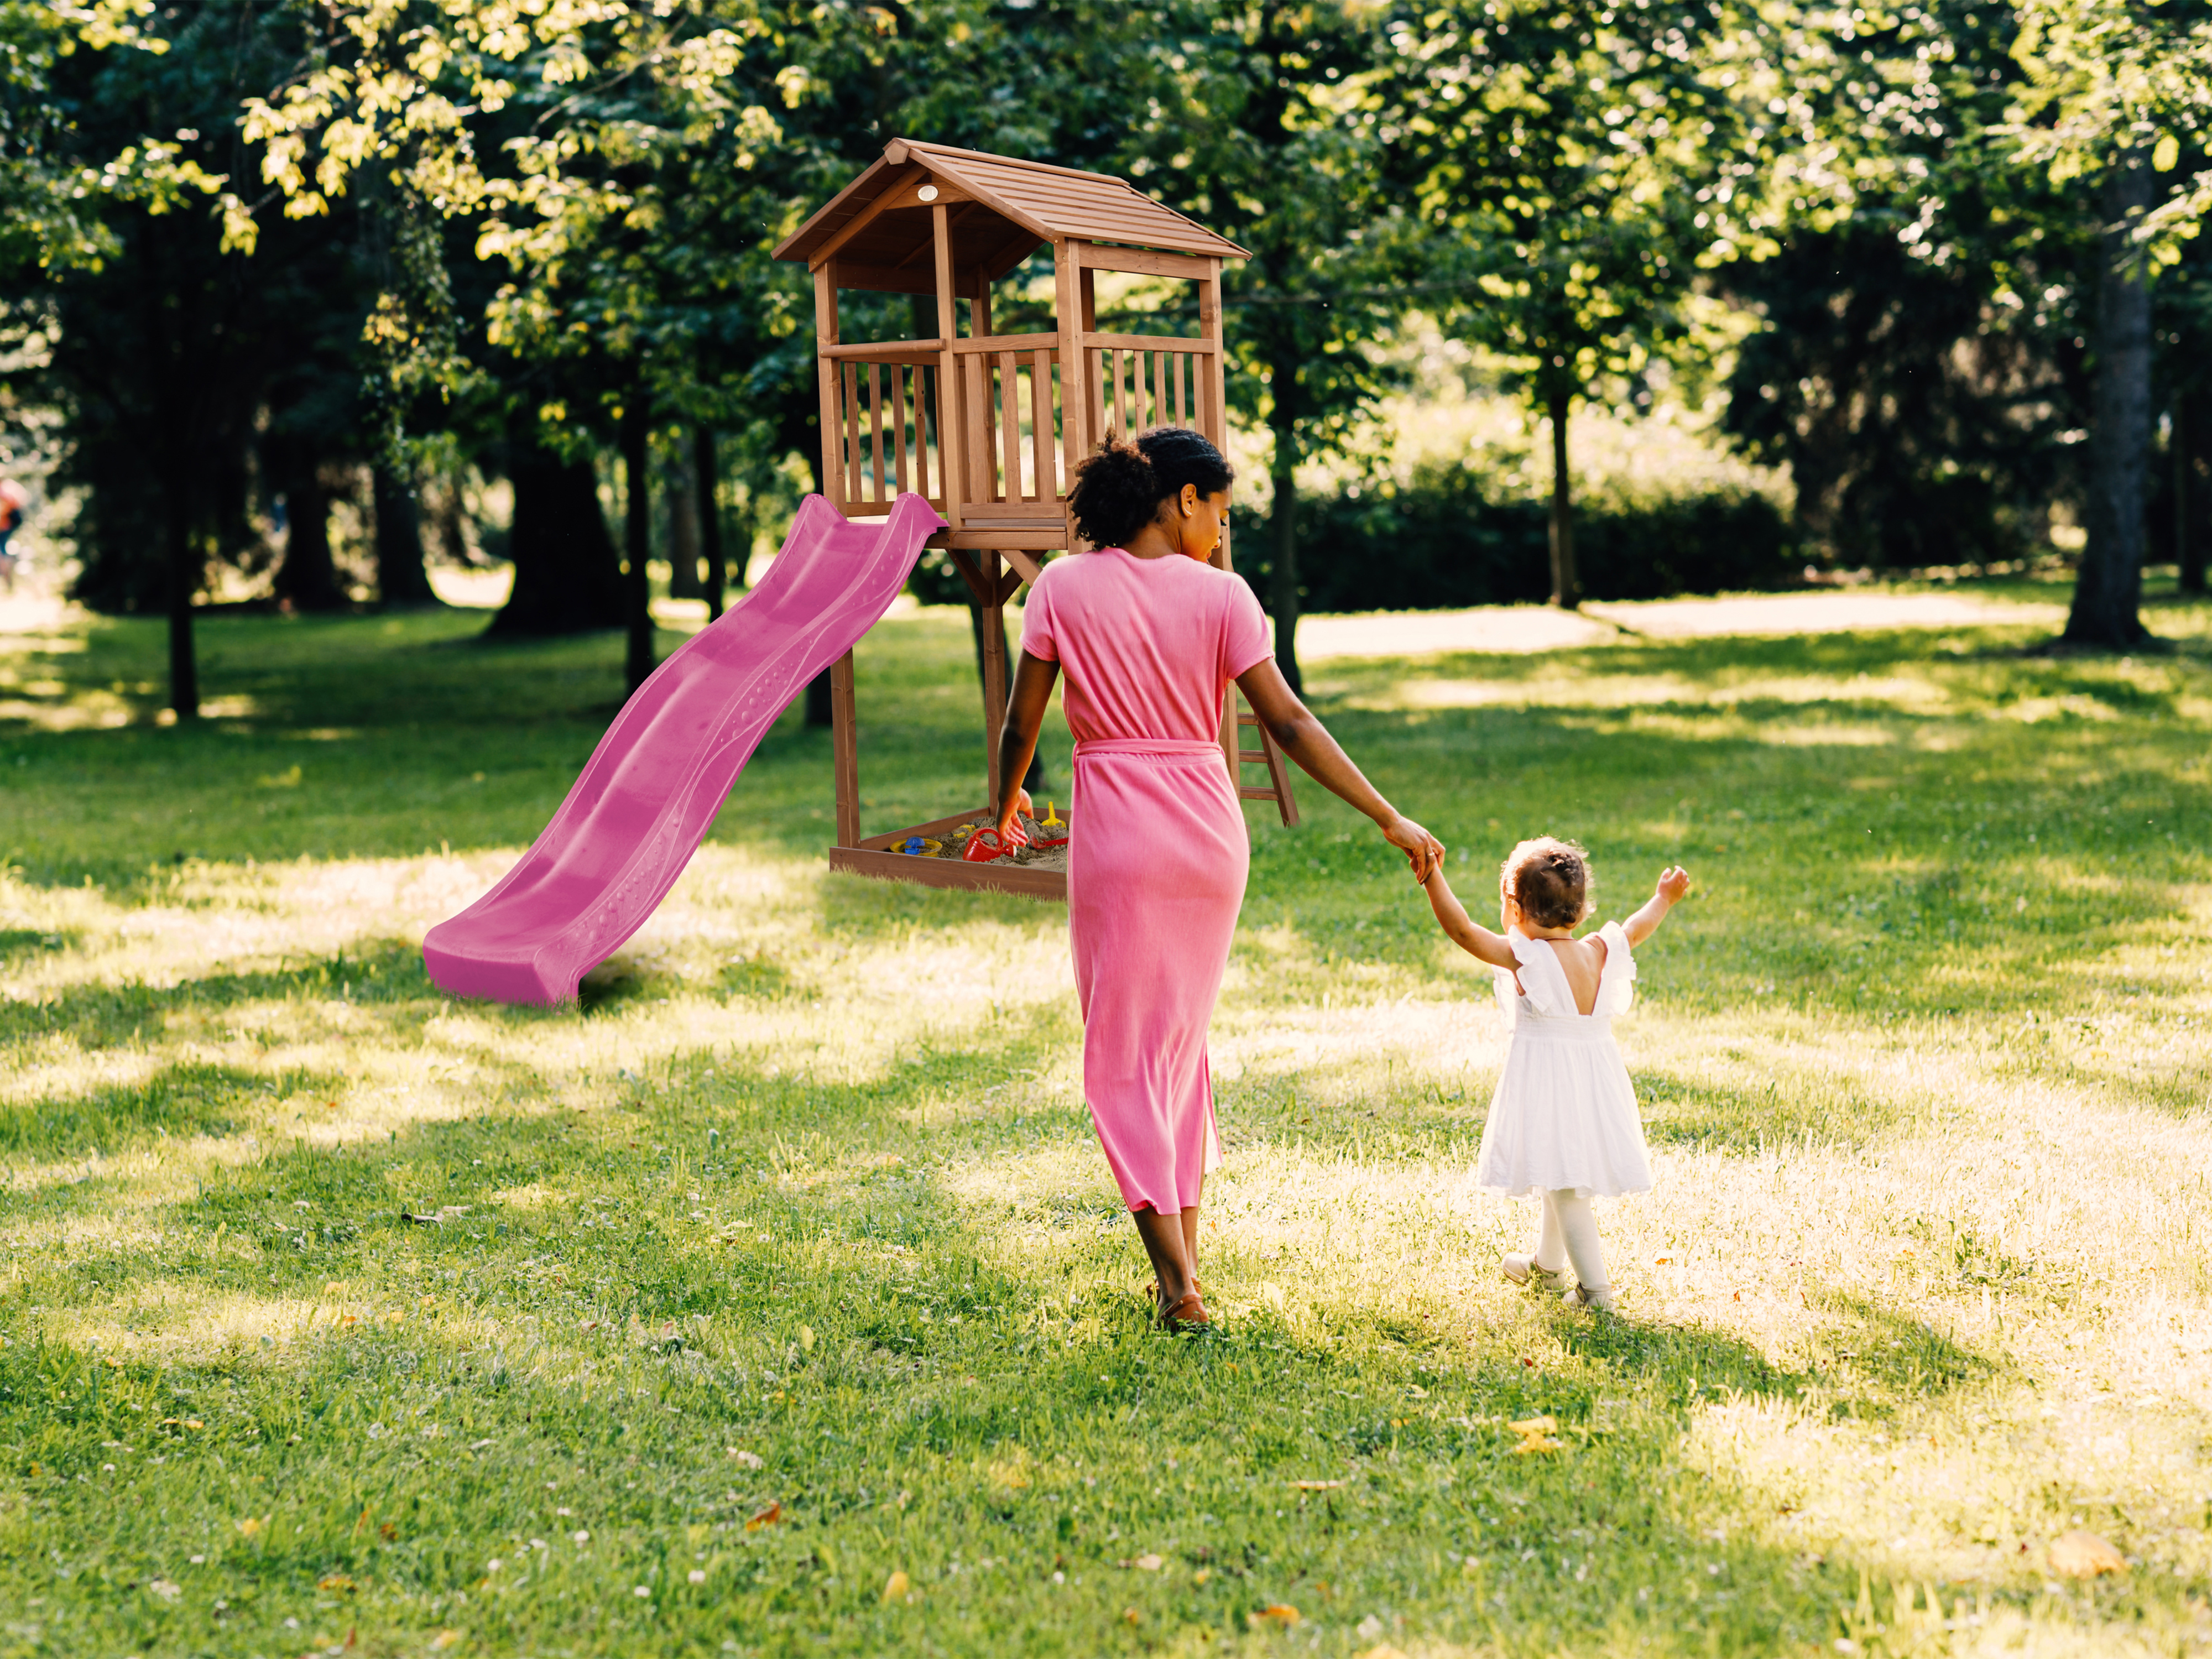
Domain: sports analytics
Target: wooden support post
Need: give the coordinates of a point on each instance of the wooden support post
(983, 406)
(1068, 303)
(951, 470)
(1212, 397)
(825, 334)
(994, 676)
(845, 744)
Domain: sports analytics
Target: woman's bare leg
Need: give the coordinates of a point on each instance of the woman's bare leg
(1164, 1241)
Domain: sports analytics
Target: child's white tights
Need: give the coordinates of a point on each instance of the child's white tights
(1570, 1235)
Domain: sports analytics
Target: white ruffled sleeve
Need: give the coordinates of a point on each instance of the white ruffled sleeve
(1616, 986)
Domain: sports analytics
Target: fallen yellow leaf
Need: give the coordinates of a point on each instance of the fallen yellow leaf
(1278, 1612)
(1535, 1426)
(251, 1525)
(767, 1518)
(2084, 1555)
(445, 1639)
(337, 1581)
(1315, 1485)
(897, 1586)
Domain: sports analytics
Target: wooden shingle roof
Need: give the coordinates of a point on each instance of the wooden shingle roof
(1011, 207)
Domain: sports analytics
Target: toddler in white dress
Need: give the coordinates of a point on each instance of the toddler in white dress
(1563, 1123)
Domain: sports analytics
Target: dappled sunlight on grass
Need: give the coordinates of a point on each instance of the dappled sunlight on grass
(798, 1213)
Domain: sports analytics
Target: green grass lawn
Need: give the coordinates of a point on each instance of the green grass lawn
(777, 1300)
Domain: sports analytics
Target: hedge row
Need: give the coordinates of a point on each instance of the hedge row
(1446, 539)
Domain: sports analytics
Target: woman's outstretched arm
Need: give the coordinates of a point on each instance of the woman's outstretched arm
(1018, 738)
(1307, 741)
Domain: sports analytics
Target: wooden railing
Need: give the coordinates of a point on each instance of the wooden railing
(1011, 420)
(1139, 380)
(1010, 406)
(889, 436)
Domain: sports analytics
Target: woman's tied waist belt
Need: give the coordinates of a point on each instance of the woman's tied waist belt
(1165, 748)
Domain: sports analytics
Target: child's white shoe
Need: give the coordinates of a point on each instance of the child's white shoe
(1523, 1268)
(1581, 1295)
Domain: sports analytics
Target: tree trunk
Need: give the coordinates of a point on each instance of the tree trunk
(2108, 592)
(1566, 588)
(400, 578)
(185, 573)
(637, 540)
(683, 497)
(1283, 520)
(2190, 436)
(706, 473)
(567, 578)
(307, 580)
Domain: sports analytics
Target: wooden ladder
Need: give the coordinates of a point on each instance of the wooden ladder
(1235, 722)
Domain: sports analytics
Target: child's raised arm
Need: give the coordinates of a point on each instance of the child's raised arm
(1471, 936)
(1674, 882)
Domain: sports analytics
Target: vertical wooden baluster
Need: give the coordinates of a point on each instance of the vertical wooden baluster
(983, 437)
(921, 405)
(1121, 396)
(851, 426)
(898, 423)
(876, 424)
(1043, 439)
(1180, 362)
(1009, 414)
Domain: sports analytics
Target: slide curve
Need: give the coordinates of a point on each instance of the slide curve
(660, 774)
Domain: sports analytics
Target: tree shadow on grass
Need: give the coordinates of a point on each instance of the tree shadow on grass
(1698, 1115)
(191, 1098)
(94, 1015)
(19, 943)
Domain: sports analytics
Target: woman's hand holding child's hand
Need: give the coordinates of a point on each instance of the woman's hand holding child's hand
(1423, 851)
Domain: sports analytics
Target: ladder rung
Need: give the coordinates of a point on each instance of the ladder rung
(1246, 793)
(1253, 757)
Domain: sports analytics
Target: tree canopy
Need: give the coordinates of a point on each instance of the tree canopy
(1944, 252)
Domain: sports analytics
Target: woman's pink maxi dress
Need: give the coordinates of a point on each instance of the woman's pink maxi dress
(1159, 855)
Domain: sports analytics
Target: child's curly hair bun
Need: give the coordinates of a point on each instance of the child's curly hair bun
(1550, 879)
(1118, 488)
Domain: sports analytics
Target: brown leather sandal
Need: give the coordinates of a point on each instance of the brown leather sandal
(1189, 1314)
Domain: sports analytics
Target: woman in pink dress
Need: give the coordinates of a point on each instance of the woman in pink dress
(1150, 634)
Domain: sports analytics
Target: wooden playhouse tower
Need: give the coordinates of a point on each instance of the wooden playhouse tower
(989, 427)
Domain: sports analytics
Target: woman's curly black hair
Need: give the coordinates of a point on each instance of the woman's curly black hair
(1118, 489)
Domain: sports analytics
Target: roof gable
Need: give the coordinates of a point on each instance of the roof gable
(1004, 208)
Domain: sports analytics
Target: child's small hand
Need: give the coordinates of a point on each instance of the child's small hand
(1673, 883)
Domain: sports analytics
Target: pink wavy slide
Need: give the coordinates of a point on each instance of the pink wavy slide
(658, 776)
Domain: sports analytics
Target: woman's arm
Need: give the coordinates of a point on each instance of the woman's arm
(1307, 741)
(1018, 739)
(1470, 935)
(1674, 882)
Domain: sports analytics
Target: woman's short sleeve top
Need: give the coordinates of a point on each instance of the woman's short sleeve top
(1148, 646)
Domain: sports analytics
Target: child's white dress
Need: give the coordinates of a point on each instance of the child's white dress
(1564, 1113)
